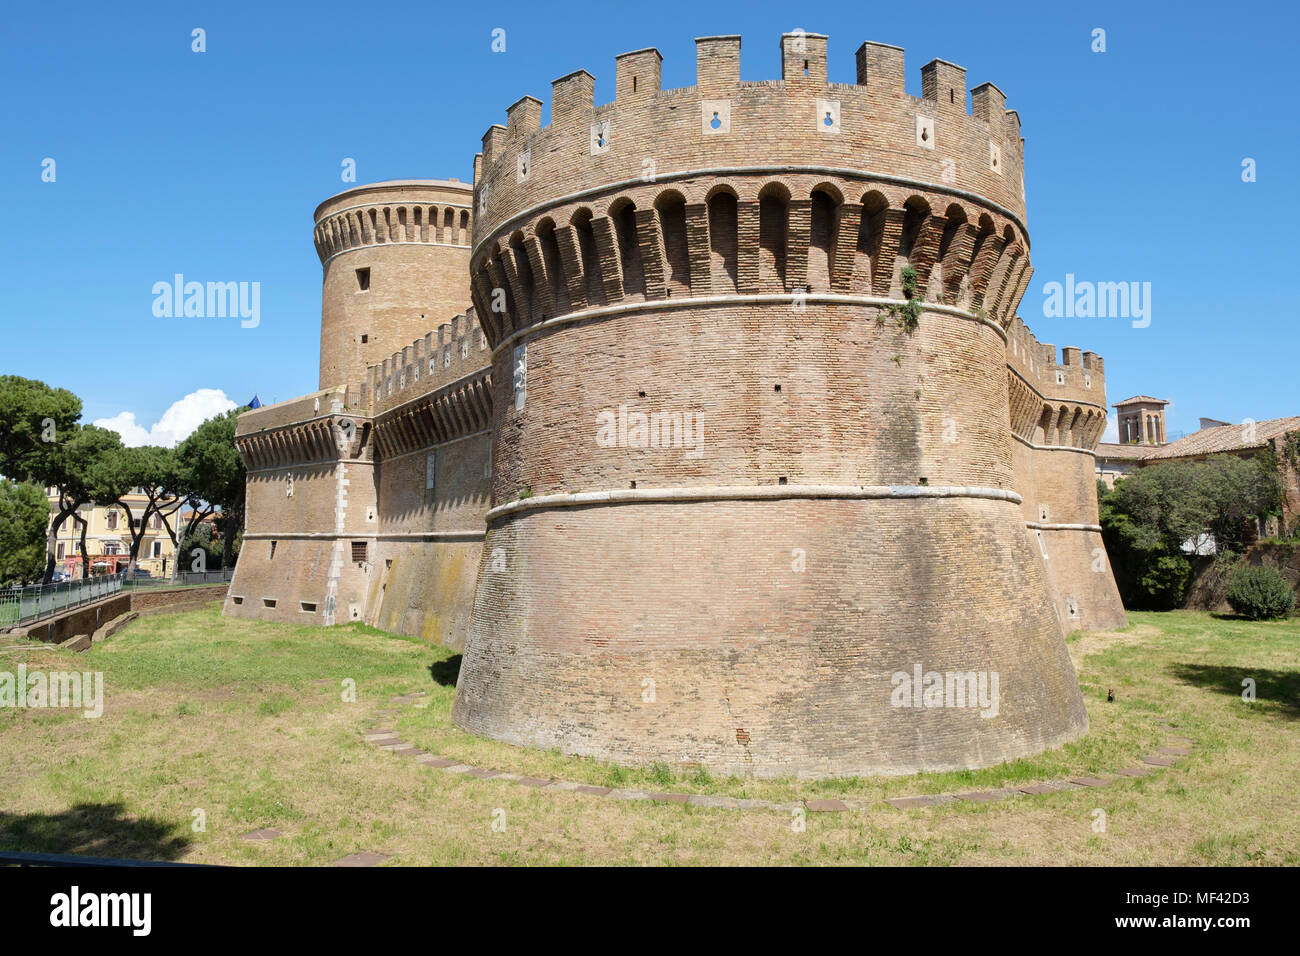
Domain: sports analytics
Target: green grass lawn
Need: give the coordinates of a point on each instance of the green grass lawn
(242, 726)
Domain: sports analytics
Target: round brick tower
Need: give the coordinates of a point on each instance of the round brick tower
(394, 255)
(753, 492)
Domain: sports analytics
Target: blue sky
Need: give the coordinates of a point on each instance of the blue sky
(210, 164)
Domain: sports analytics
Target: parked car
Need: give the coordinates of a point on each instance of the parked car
(139, 574)
(60, 576)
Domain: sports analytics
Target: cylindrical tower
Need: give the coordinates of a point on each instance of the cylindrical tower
(753, 490)
(395, 256)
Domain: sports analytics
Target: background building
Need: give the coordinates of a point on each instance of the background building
(108, 538)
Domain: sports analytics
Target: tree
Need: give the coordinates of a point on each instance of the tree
(76, 468)
(33, 418)
(213, 471)
(152, 469)
(1152, 513)
(24, 513)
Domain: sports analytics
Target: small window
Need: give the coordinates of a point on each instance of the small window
(364, 338)
(238, 599)
(268, 602)
(363, 280)
(308, 606)
(273, 544)
(359, 552)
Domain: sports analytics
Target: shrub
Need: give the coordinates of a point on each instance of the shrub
(1259, 593)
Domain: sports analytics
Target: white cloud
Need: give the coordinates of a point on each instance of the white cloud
(176, 423)
(1111, 435)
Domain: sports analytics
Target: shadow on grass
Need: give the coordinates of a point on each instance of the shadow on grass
(92, 829)
(1278, 690)
(446, 672)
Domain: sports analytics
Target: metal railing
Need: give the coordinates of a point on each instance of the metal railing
(22, 605)
(184, 579)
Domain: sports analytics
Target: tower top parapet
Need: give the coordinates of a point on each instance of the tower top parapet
(870, 128)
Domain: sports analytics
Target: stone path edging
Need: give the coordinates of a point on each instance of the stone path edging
(383, 736)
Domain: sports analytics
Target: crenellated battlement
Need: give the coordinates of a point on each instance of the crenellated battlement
(871, 128)
(451, 352)
(432, 212)
(1056, 400)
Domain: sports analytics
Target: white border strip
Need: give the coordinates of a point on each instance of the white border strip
(1039, 526)
(738, 298)
(749, 493)
(1086, 451)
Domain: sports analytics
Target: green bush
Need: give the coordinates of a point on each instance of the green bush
(1259, 593)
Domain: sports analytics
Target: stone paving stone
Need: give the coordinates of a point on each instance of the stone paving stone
(981, 796)
(264, 834)
(364, 858)
(508, 777)
(483, 774)
(626, 794)
(1134, 771)
(670, 797)
(1174, 751)
(593, 791)
(408, 751)
(1158, 760)
(826, 806)
(1037, 789)
(381, 738)
(929, 800)
(538, 782)
(1185, 741)
(459, 768)
(433, 760)
(391, 744)
(713, 802)
(1089, 781)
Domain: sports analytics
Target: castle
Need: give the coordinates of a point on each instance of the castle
(740, 427)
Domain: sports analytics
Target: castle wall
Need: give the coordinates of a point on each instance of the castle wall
(412, 238)
(845, 507)
(310, 517)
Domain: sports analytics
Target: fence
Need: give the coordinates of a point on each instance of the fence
(20, 605)
(183, 579)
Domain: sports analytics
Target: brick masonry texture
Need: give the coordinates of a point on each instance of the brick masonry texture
(678, 482)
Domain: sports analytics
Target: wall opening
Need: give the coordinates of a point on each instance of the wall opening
(360, 551)
(722, 241)
(672, 221)
(363, 280)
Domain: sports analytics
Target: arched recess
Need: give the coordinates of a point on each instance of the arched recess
(1043, 432)
(623, 215)
(449, 225)
(949, 270)
(724, 248)
(550, 247)
(870, 230)
(773, 234)
(821, 238)
(582, 228)
(530, 307)
(462, 239)
(671, 206)
(915, 212)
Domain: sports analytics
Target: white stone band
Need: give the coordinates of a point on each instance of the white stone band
(747, 493)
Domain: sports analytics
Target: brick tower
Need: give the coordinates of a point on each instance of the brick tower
(754, 464)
